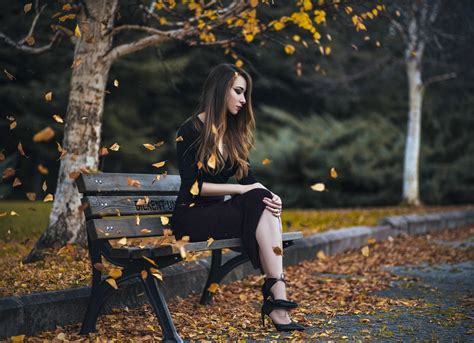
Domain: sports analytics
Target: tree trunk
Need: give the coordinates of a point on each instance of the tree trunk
(413, 58)
(82, 131)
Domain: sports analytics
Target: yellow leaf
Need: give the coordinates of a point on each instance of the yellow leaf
(266, 161)
(31, 196)
(185, 238)
(333, 173)
(289, 49)
(13, 213)
(48, 197)
(211, 162)
(253, 3)
(123, 241)
(327, 50)
(116, 83)
(164, 220)
(13, 125)
(239, 63)
(77, 31)
(17, 182)
(115, 147)
(278, 26)
(151, 261)
(145, 231)
(115, 273)
(19, 338)
(195, 188)
(44, 135)
(319, 187)
(30, 40)
(213, 287)
(144, 274)
(58, 118)
(159, 164)
(321, 255)
(137, 219)
(67, 17)
(191, 204)
(371, 241)
(296, 38)
(179, 139)
(199, 165)
(133, 182)
(156, 273)
(67, 7)
(112, 283)
(365, 251)
(26, 9)
(210, 241)
(48, 96)
(278, 251)
(149, 146)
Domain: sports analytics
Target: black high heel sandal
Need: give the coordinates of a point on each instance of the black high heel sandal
(267, 307)
(267, 294)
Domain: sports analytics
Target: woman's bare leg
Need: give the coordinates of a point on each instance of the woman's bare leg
(268, 235)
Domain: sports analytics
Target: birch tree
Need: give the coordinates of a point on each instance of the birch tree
(415, 21)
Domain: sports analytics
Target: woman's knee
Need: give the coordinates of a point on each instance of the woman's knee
(259, 193)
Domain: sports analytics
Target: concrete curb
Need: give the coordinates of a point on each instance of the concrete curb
(38, 312)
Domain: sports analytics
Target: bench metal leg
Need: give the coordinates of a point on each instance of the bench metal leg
(99, 295)
(158, 302)
(219, 271)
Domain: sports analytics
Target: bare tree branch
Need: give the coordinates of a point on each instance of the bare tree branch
(438, 78)
(29, 49)
(137, 28)
(33, 24)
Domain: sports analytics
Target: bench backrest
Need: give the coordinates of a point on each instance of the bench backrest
(120, 205)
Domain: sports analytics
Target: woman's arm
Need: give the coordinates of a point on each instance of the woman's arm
(210, 189)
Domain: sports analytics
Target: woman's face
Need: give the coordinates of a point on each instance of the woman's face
(236, 98)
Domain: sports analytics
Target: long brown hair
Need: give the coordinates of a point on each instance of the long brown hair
(235, 131)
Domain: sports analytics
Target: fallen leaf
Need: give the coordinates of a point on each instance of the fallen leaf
(210, 241)
(159, 164)
(150, 260)
(164, 220)
(213, 287)
(321, 255)
(44, 135)
(48, 197)
(133, 183)
(365, 251)
(112, 283)
(122, 241)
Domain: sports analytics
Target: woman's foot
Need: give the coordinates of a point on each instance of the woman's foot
(280, 316)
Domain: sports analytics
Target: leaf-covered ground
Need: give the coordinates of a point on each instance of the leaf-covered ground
(70, 267)
(313, 284)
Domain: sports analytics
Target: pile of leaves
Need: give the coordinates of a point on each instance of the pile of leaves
(320, 294)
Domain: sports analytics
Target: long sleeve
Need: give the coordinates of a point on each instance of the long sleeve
(187, 163)
(249, 179)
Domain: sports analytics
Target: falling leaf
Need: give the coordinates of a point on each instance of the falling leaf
(151, 261)
(266, 161)
(31, 196)
(365, 251)
(74, 175)
(20, 149)
(327, 50)
(99, 266)
(210, 241)
(48, 96)
(159, 164)
(158, 144)
(115, 273)
(30, 40)
(195, 188)
(27, 7)
(144, 274)
(112, 283)
(213, 287)
(211, 162)
(44, 135)
(149, 146)
(13, 125)
(123, 241)
(321, 255)
(133, 182)
(319, 187)
(58, 118)
(13, 213)
(214, 129)
(48, 197)
(67, 17)
(17, 182)
(60, 149)
(44, 187)
(42, 169)
(289, 49)
(103, 151)
(239, 63)
(3, 214)
(179, 139)
(137, 220)
(8, 172)
(77, 31)
(277, 250)
(115, 147)
(116, 83)
(191, 204)
(10, 76)
(164, 220)
(333, 173)
(199, 165)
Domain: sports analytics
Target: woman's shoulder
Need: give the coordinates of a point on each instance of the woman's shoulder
(190, 127)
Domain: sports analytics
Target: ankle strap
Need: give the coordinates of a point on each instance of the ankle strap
(281, 278)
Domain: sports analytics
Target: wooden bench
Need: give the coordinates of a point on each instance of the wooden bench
(130, 206)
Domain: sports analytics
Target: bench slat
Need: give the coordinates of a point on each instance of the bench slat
(191, 247)
(99, 206)
(125, 227)
(117, 183)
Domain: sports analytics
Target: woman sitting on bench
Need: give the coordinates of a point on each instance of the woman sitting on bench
(213, 145)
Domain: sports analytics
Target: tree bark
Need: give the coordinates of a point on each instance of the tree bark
(82, 131)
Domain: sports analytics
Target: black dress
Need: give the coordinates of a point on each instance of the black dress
(211, 216)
